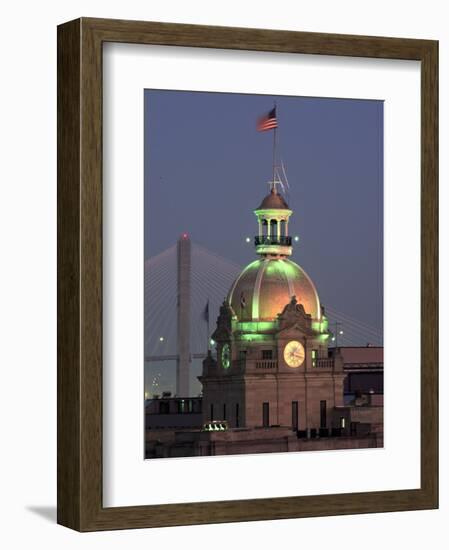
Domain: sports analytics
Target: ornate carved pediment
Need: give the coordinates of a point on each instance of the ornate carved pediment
(221, 333)
(224, 323)
(294, 314)
(294, 318)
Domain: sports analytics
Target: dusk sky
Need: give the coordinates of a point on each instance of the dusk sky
(207, 168)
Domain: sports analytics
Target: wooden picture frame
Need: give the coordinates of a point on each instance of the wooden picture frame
(80, 504)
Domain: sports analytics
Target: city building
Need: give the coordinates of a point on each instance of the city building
(272, 379)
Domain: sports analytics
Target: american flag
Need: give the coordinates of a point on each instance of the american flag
(268, 122)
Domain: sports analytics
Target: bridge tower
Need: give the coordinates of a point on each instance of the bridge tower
(183, 316)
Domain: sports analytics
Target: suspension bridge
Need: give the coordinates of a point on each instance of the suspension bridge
(180, 283)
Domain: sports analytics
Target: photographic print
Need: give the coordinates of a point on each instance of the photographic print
(263, 247)
(225, 285)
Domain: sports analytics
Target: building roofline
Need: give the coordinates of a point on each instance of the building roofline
(357, 347)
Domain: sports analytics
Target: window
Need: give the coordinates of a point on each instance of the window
(323, 420)
(267, 354)
(264, 228)
(237, 419)
(266, 414)
(342, 422)
(314, 357)
(211, 411)
(224, 411)
(283, 229)
(295, 415)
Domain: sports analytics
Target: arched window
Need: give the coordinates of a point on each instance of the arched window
(283, 228)
(264, 228)
(273, 229)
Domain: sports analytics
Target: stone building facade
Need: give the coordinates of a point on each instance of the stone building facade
(272, 379)
(259, 387)
(272, 366)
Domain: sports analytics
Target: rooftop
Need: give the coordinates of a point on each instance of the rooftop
(273, 200)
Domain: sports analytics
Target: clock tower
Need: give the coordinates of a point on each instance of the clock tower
(271, 367)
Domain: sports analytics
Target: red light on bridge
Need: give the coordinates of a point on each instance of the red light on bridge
(185, 235)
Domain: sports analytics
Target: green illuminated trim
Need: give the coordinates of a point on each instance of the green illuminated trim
(226, 356)
(273, 213)
(291, 269)
(252, 265)
(321, 326)
(256, 291)
(256, 326)
(281, 250)
(288, 275)
(255, 337)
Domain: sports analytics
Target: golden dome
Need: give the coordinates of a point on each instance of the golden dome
(266, 286)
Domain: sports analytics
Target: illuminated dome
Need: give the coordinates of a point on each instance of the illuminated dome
(267, 285)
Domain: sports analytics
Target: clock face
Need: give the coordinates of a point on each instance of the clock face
(294, 354)
(226, 356)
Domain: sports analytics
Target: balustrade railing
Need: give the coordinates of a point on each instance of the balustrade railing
(264, 239)
(266, 364)
(324, 363)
